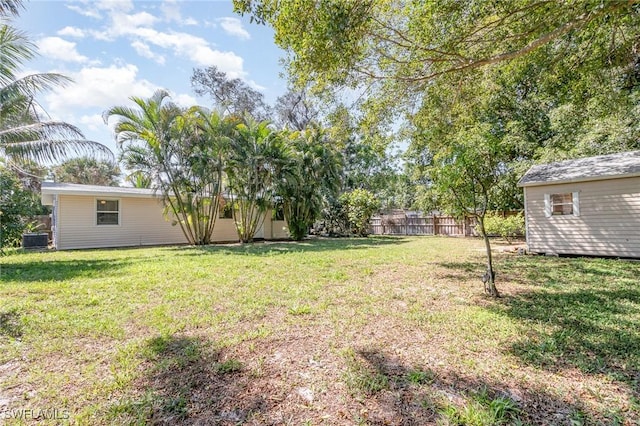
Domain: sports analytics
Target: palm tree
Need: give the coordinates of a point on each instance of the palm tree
(180, 151)
(312, 176)
(23, 134)
(254, 158)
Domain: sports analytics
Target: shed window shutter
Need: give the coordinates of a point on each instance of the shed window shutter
(576, 204)
(547, 205)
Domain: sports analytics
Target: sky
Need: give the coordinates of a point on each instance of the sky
(115, 49)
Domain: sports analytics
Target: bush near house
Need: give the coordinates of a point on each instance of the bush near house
(17, 206)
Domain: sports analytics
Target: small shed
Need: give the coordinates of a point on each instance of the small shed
(89, 216)
(588, 206)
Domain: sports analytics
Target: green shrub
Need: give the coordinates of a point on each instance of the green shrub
(360, 205)
(17, 206)
(505, 227)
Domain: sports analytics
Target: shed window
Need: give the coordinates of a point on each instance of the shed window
(563, 204)
(107, 212)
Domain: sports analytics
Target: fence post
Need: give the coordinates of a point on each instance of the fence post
(435, 227)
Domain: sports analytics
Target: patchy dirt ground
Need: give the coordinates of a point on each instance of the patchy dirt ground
(396, 334)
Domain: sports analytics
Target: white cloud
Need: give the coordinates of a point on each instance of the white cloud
(98, 87)
(189, 21)
(195, 48)
(233, 26)
(93, 122)
(184, 100)
(171, 11)
(144, 50)
(123, 24)
(139, 28)
(114, 5)
(71, 32)
(85, 11)
(60, 49)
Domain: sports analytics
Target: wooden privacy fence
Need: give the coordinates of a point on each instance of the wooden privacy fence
(422, 225)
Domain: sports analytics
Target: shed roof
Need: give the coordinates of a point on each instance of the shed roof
(612, 166)
(54, 188)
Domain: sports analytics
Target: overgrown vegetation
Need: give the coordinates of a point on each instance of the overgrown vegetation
(359, 206)
(18, 205)
(379, 330)
(507, 227)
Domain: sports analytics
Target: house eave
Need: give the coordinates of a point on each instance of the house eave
(49, 191)
(578, 180)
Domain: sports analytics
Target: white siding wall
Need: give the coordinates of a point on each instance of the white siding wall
(279, 230)
(141, 223)
(225, 231)
(608, 224)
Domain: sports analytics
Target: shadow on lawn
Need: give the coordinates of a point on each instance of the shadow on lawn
(59, 270)
(269, 248)
(582, 313)
(188, 383)
(416, 396)
(595, 331)
(464, 270)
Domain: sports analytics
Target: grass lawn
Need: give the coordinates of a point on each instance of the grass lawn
(352, 331)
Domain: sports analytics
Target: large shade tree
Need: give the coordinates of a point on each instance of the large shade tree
(232, 95)
(180, 150)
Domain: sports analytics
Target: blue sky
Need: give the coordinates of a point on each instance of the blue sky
(114, 49)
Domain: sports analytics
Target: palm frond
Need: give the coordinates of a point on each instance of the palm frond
(15, 49)
(47, 150)
(30, 85)
(45, 130)
(10, 7)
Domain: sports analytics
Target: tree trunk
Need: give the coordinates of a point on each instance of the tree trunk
(489, 276)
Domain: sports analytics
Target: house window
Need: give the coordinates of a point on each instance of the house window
(278, 212)
(107, 212)
(226, 212)
(562, 204)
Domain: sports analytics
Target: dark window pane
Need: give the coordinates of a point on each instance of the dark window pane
(226, 212)
(107, 205)
(107, 218)
(278, 212)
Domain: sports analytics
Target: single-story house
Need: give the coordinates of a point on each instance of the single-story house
(89, 216)
(587, 206)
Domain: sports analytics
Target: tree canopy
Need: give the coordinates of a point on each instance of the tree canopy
(87, 171)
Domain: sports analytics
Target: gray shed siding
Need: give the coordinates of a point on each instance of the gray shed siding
(608, 224)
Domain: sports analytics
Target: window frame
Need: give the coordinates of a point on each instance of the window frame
(550, 206)
(97, 212)
(278, 208)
